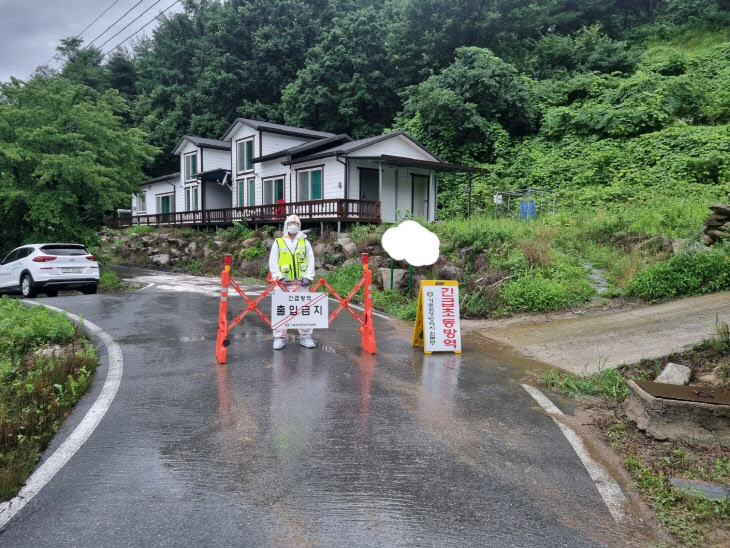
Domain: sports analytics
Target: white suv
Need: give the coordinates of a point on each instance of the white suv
(46, 268)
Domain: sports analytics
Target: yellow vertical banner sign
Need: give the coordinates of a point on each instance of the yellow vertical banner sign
(437, 326)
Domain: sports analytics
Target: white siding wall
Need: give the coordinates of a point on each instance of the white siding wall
(273, 168)
(180, 199)
(272, 142)
(215, 159)
(333, 178)
(242, 132)
(396, 146)
(396, 194)
(155, 189)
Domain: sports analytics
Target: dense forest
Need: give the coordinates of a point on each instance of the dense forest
(605, 101)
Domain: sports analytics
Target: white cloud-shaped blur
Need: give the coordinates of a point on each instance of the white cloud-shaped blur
(412, 243)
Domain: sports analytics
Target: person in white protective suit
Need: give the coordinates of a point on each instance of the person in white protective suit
(292, 261)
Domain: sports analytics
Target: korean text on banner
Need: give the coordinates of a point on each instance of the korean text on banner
(299, 309)
(437, 324)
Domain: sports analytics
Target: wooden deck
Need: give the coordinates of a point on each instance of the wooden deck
(351, 211)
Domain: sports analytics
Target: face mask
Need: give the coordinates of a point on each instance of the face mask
(293, 229)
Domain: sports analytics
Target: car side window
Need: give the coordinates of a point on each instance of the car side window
(23, 253)
(12, 256)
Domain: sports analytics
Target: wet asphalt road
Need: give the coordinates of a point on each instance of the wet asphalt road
(322, 447)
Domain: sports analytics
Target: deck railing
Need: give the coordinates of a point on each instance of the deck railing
(332, 210)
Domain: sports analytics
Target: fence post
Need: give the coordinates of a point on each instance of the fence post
(222, 341)
(367, 331)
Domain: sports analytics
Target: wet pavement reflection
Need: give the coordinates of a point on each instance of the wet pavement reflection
(324, 447)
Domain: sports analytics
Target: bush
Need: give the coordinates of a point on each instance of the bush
(549, 289)
(142, 229)
(239, 231)
(23, 329)
(252, 253)
(109, 282)
(689, 273)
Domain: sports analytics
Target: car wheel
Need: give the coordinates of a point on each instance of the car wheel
(89, 290)
(51, 292)
(27, 287)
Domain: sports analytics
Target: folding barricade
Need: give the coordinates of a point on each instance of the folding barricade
(366, 320)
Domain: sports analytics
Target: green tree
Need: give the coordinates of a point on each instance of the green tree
(66, 160)
(468, 112)
(82, 65)
(345, 86)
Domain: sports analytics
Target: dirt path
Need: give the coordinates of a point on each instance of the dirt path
(607, 338)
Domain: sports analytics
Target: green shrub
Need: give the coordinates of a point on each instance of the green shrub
(689, 273)
(239, 231)
(23, 329)
(547, 289)
(35, 393)
(142, 229)
(256, 252)
(109, 282)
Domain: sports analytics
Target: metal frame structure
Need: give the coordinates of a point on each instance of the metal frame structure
(537, 195)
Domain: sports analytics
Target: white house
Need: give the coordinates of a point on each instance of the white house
(259, 172)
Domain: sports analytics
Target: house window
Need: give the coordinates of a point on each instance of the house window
(252, 192)
(142, 202)
(310, 184)
(165, 203)
(191, 199)
(239, 193)
(273, 190)
(244, 155)
(191, 166)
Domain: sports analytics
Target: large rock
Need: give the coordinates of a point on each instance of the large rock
(350, 250)
(148, 240)
(675, 374)
(376, 261)
(321, 272)
(450, 272)
(218, 243)
(687, 421)
(722, 209)
(278, 234)
(354, 260)
(176, 242)
(318, 262)
(268, 244)
(249, 243)
(190, 249)
(400, 278)
(344, 241)
(319, 249)
(161, 259)
(174, 253)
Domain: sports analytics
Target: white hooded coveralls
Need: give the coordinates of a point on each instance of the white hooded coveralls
(274, 264)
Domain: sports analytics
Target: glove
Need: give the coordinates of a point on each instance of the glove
(306, 282)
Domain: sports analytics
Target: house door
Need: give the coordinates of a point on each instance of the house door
(164, 204)
(369, 185)
(420, 196)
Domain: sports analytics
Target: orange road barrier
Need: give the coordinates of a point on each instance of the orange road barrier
(366, 320)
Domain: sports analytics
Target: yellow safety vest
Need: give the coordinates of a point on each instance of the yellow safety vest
(292, 267)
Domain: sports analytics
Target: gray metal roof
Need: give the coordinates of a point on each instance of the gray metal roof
(352, 146)
(300, 149)
(162, 178)
(277, 128)
(205, 143)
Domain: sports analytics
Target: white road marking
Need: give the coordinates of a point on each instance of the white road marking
(85, 428)
(607, 486)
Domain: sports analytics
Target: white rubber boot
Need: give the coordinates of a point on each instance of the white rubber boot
(306, 341)
(279, 343)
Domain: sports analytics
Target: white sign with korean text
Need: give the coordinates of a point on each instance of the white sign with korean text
(441, 328)
(299, 309)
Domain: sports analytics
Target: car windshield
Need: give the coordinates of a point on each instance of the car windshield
(61, 250)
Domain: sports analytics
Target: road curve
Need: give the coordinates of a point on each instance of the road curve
(323, 447)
